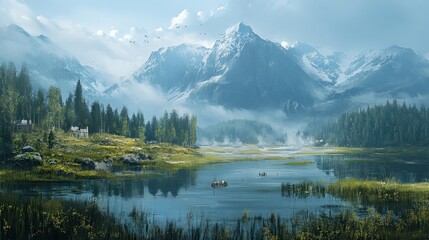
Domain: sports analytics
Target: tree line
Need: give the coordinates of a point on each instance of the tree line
(46, 110)
(391, 124)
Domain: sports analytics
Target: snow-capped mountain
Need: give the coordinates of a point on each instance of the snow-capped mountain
(324, 68)
(47, 63)
(244, 71)
(241, 70)
(394, 71)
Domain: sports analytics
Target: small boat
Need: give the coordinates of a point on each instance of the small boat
(262, 174)
(220, 183)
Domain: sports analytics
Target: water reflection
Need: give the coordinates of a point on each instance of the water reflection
(174, 195)
(124, 188)
(171, 183)
(365, 166)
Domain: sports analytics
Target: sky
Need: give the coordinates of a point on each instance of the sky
(118, 36)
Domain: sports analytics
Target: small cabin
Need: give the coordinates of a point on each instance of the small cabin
(79, 132)
(22, 125)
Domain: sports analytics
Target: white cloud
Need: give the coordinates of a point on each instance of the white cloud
(100, 32)
(220, 8)
(159, 29)
(42, 19)
(113, 33)
(179, 19)
(200, 14)
(127, 37)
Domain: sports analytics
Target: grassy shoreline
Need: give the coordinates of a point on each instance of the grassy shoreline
(166, 157)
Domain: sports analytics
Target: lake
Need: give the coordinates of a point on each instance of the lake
(188, 193)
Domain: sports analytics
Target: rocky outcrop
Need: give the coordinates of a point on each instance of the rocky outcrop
(134, 159)
(28, 159)
(27, 149)
(85, 163)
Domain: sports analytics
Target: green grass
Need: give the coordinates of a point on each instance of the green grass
(36, 218)
(298, 163)
(368, 191)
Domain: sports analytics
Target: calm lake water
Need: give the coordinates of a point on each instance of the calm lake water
(176, 196)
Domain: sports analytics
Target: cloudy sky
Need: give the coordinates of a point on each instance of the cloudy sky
(118, 36)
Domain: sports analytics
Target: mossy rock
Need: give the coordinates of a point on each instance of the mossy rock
(85, 163)
(134, 159)
(28, 159)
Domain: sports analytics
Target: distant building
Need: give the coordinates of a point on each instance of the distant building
(22, 125)
(79, 132)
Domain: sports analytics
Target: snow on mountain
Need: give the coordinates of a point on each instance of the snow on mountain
(241, 70)
(394, 70)
(244, 71)
(47, 63)
(324, 68)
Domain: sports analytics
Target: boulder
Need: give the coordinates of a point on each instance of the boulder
(134, 159)
(131, 159)
(85, 163)
(142, 156)
(27, 149)
(28, 159)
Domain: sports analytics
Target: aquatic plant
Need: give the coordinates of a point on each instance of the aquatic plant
(303, 189)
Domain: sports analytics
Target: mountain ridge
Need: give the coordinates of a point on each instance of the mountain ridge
(47, 62)
(244, 71)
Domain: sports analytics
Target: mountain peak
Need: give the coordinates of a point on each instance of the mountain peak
(238, 35)
(240, 28)
(395, 50)
(17, 29)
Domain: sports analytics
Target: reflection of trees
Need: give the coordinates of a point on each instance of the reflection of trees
(303, 189)
(126, 188)
(172, 183)
(370, 167)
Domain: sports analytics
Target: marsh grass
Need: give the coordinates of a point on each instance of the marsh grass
(368, 191)
(304, 189)
(298, 163)
(34, 218)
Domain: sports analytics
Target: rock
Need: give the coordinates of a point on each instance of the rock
(53, 162)
(142, 156)
(131, 159)
(108, 161)
(28, 159)
(85, 163)
(27, 149)
(107, 142)
(135, 159)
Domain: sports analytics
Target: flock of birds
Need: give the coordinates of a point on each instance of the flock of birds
(177, 26)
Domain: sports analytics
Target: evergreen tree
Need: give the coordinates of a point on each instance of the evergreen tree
(23, 101)
(51, 140)
(80, 107)
(117, 122)
(40, 110)
(7, 106)
(156, 130)
(149, 133)
(124, 122)
(95, 125)
(69, 113)
(379, 126)
(110, 120)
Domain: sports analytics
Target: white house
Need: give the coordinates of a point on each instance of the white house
(79, 132)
